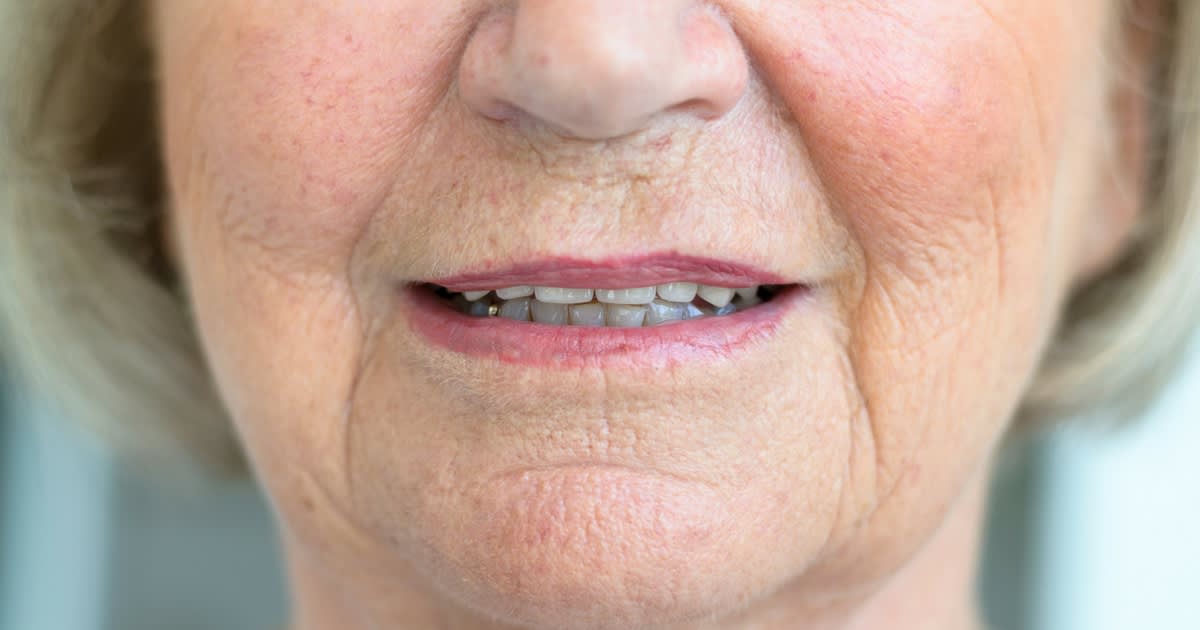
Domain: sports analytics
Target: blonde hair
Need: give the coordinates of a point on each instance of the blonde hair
(90, 312)
(1123, 334)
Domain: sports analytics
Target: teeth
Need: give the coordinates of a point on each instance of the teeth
(728, 309)
(678, 291)
(717, 296)
(516, 309)
(626, 296)
(547, 313)
(512, 293)
(660, 312)
(623, 316)
(753, 300)
(555, 295)
(478, 309)
(616, 308)
(587, 315)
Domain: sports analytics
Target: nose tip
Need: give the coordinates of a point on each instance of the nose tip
(599, 69)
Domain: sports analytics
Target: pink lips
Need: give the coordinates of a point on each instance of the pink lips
(623, 273)
(544, 345)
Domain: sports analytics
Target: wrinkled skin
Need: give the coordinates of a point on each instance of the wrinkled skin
(934, 168)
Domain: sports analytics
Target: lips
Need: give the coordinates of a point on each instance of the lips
(713, 326)
(615, 273)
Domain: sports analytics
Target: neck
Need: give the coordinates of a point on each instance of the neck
(934, 591)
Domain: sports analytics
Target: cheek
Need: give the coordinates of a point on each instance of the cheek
(305, 122)
(283, 139)
(921, 131)
(936, 140)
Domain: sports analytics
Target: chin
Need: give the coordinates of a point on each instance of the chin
(603, 547)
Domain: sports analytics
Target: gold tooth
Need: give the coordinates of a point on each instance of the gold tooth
(493, 310)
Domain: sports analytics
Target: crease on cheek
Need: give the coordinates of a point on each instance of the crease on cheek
(916, 148)
(914, 164)
(362, 363)
(305, 138)
(900, 104)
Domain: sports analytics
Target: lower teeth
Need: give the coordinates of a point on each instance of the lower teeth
(657, 313)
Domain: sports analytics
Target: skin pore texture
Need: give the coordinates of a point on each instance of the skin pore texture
(935, 171)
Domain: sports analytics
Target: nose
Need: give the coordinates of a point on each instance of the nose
(600, 69)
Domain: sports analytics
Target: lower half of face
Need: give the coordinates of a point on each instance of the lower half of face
(636, 379)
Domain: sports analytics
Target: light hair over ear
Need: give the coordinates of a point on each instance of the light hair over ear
(88, 312)
(1124, 333)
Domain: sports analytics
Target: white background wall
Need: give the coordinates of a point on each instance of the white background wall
(56, 493)
(1120, 522)
(87, 545)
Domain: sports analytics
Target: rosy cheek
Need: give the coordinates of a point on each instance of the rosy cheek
(920, 130)
(306, 123)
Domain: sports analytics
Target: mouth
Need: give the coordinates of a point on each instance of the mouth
(636, 307)
(656, 309)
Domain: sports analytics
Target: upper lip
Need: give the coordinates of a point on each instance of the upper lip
(612, 273)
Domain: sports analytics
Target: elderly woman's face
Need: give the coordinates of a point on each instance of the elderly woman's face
(917, 182)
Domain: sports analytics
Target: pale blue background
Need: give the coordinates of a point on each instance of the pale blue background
(1087, 533)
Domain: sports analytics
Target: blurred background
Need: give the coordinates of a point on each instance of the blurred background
(1088, 531)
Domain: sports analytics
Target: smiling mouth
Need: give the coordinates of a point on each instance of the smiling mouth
(638, 307)
(662, 309)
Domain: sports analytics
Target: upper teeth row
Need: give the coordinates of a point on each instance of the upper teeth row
(672, 291)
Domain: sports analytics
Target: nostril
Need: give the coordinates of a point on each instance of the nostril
(698, 108)
(602, 69)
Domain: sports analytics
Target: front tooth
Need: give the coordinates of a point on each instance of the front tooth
(692, 311)
(717, 296)
(747, 292)
(547, 313)
(660, 312)
(678, 291)
(555, 295)
(474, 295)
(512, 293)
(587, 315)
(625, 316)
(516, 309)
(644, 295)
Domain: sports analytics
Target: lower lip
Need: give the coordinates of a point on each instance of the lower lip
(531, 343)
